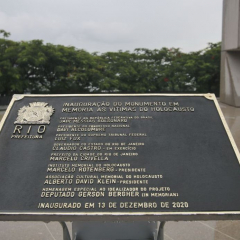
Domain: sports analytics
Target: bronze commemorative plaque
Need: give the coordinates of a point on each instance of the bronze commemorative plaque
(156, 157)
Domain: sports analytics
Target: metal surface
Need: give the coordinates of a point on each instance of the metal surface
(66, 235)
(123, 215)
(161, 231)
(18, 97)
(114, 230)
(35, 113)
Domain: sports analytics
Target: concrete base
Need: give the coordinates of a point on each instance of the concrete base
(230, 78)
(230, 64)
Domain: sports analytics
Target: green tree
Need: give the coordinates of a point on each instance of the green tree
(146, 70)
(35, 67)
(5, 34)
(10, 77)
(56, 69)
(203, 68)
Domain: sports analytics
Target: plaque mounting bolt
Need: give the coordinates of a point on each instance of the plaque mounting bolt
(209, 96)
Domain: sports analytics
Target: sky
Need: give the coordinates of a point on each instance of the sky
(113, 25)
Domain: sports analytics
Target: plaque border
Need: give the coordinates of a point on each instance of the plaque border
(126, 216)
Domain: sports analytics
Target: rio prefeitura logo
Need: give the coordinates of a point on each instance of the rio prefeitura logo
(35, 113)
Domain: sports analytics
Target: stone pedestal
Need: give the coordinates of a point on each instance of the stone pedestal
(230, 63)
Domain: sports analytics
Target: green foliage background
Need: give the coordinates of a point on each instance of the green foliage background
(35, 67)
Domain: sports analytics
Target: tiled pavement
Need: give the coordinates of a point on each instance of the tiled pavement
(207, 230)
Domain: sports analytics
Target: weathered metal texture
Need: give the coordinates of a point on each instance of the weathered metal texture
(188, 144)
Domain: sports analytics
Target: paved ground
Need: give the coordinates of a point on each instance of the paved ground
(208, 230)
